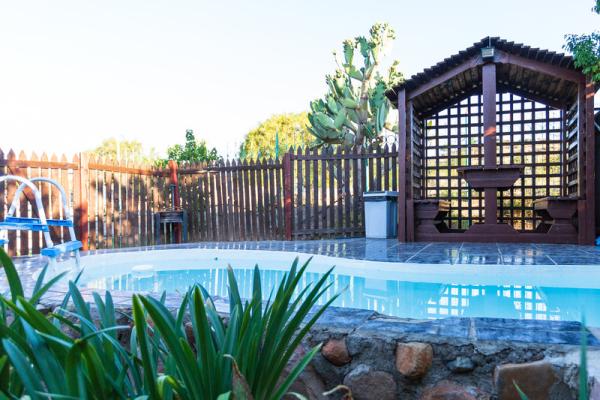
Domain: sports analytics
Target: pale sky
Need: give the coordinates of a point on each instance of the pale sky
(74, 72)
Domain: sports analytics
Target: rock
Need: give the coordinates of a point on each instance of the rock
(446, 390)
(189, 334)
(367, 384)
(413, 359)
(595, 389)
(336, 352)
(309, 384)
(461, 365)
(535, 379)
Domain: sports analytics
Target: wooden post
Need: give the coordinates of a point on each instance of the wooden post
(176, 202)
(287, 195)
(402, 190)
(410, 196)
(586, 207)
(489, 137)
(81, 187)
(590, 165)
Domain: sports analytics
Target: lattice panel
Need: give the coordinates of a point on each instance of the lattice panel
(416, 148)
(453, 138)
(571, 151)
(528, 133)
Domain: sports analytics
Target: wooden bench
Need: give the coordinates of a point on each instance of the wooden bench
(557, 215)
(430, 214)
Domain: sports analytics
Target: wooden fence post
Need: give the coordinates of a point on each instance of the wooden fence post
(287, 195)
(176, 202)
(81, 187)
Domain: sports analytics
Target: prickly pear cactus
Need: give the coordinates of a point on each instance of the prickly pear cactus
(355, 110)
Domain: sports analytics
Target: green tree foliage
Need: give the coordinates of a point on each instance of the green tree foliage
(193, 150)
(355, 110)
(132, 150)
(290, 130)
(586, 49)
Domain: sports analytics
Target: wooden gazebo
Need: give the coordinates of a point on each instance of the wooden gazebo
(496, 144)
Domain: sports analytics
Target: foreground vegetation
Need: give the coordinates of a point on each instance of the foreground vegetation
(76, 351)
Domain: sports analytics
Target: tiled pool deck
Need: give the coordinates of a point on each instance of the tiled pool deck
(391, 250)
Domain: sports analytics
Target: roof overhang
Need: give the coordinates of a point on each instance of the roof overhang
(539, 75)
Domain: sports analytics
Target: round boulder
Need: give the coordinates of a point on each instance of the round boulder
(336, 352)
(367, 384)
(413, 359)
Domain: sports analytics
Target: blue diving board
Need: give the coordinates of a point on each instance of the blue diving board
(62, 248)
(51, 222)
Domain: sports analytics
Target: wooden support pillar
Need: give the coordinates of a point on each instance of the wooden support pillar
(489, 137)
(402, 189)
(410, 196)
(591, 161)
(587, 191)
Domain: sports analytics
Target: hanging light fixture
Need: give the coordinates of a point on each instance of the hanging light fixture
(487, 53)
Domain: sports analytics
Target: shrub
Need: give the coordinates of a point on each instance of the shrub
(245, 355)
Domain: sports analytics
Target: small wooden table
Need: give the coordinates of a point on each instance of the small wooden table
(170, 217)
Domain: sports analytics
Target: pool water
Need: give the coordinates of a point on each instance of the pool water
(401, 298)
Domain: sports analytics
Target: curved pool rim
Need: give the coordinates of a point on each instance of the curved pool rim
(536, 331)
(560, 276)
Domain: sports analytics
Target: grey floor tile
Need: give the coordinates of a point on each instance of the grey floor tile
(527, 260)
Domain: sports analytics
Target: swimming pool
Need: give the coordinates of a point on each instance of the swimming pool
(423, 291)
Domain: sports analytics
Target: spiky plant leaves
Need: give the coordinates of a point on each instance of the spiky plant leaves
(14, 282)
(583, 371)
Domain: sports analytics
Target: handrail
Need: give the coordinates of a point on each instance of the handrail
(63, 195)
(38, 201)
(16, 198)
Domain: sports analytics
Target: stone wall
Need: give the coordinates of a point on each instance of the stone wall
(382, 358)
(387, 358)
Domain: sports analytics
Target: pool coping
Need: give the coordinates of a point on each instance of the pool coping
(349, 319)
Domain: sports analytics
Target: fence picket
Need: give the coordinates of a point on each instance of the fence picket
(227, 200)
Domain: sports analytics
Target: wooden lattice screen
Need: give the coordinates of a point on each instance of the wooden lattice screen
(529, 133)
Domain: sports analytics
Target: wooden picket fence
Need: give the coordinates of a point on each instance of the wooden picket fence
(308, 194)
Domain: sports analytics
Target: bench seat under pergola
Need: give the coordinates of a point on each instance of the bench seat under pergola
(496, 144)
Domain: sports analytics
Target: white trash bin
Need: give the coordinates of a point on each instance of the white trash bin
(381, 215)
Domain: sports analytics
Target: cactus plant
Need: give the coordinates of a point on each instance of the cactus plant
(355, 110)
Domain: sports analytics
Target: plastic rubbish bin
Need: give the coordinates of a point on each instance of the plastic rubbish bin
(381, 214)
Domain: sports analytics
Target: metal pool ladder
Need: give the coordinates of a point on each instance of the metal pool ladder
(41, 223)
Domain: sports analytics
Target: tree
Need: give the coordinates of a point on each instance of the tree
(355, 110)
(281, 131)
(586, 50)
(131, 150)
(193, 150)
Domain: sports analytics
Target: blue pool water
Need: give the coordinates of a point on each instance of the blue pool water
(422, 300)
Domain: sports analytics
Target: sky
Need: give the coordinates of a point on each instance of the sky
(75, 72)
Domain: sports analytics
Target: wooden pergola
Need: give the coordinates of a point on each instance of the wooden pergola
(496, 144)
